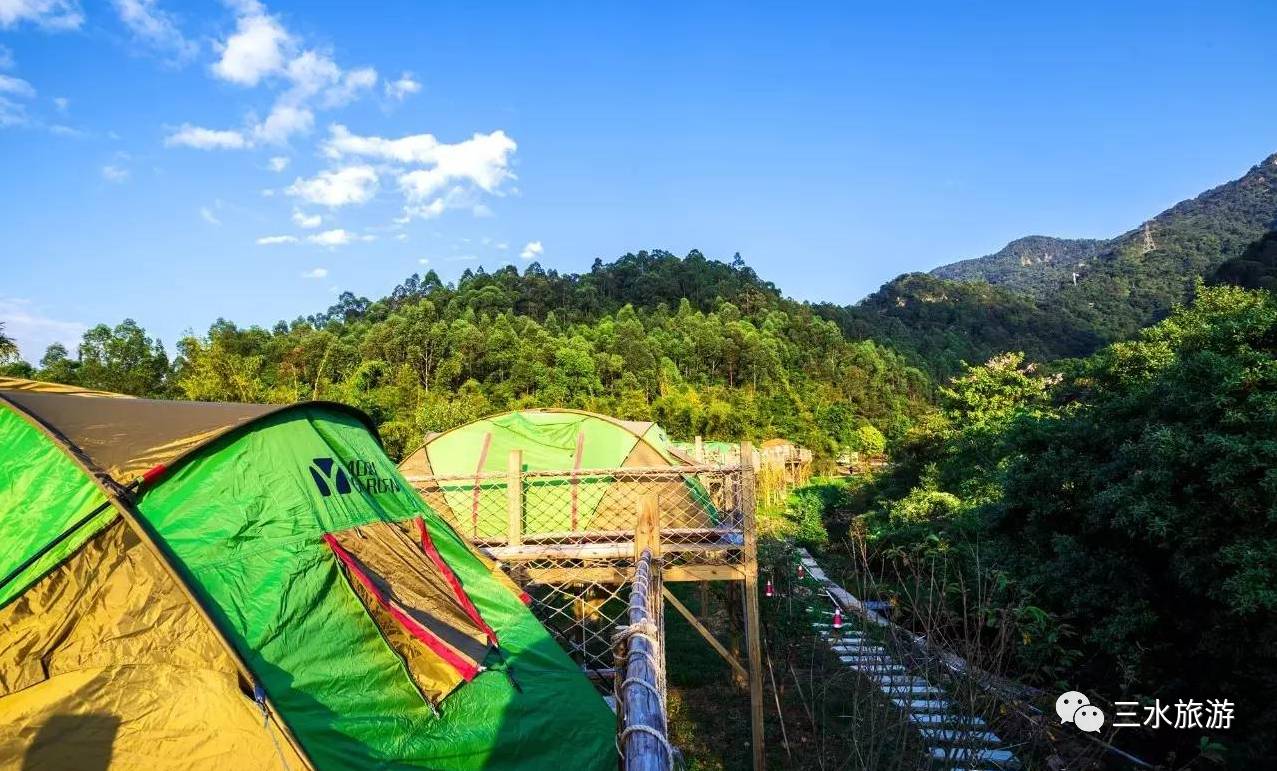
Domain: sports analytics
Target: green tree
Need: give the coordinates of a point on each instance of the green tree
(123, 359)
(8, 348)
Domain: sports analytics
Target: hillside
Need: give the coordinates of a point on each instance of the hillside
(940, 324)
(1256, 268)
(703, 347)
(1024, 297)
(1034, 265)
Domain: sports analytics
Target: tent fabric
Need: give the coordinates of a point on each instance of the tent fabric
(105, 663)
(40, 386)
(414, 606)
(247, 519)
(551, 440)
(43, 494)
(337, 695)
(126, 437)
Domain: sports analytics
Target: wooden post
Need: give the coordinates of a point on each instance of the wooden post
(753, 639)
(514, 498)
(647, 527)
(699, 452)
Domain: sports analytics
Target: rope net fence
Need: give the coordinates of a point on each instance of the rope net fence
(567, 537)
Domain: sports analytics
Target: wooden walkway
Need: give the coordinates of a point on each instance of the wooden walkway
(954, 740)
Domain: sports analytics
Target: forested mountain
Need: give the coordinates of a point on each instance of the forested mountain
(1026, 296)
(940, 324)
(701, 346)
(1256, 268)
(1034, 265)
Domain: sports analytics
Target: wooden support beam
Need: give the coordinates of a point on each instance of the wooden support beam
(741, 676)
(753, 639)
(574, 551)
(668, 535)
(605, 575)
(514, 498)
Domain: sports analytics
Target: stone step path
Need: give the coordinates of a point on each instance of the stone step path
(955, 741)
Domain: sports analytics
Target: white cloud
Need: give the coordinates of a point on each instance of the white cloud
(403, 87)
(284, 121)
(339, 187)
(15, 86)
(401, 236)
(352, 85)
(272, 240)
(208, 216)
(61, 103)
(311, 72)
(33, 331)
(157, 29)
(424, 211)
(113, 173)
(6, 58)
(12, 113)
(50, 14)
(206, 139)
(65, 131)
(308, 221)
(316, 273)
(484, 159)
(479, 161)
(503, 246)
(262, 50)
(278, 163)
(255, 51)
(337, 237)
(424, 261)
(533, 250)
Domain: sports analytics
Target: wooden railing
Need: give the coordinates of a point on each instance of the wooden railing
(640, 669)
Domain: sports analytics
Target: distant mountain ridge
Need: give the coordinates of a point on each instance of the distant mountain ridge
(1030, 264)
(1027, 297)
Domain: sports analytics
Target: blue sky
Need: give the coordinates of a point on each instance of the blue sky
(175, 163)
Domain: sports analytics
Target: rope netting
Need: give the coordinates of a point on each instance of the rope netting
(567, 537)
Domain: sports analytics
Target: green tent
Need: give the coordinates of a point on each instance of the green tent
(466, 468)
(715, 452)
(192, 585)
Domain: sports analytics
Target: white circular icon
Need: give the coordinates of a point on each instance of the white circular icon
(1068, 704)
(1089, 718)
